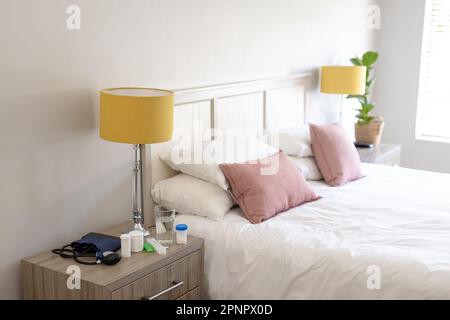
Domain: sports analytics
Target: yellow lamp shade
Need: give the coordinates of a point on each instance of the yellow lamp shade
(136, 115)
(343, 80)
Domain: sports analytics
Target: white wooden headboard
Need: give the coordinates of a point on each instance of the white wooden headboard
(264, 104)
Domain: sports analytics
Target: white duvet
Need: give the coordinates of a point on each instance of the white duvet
(386, 236)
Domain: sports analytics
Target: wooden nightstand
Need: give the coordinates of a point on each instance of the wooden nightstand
(384, 153)
(178, 275)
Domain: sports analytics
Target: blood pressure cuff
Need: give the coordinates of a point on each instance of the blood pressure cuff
(101, 247)
(95, 244)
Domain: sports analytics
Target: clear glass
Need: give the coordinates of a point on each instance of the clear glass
(164, 220)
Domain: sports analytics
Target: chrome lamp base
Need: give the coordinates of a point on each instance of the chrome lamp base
(138, 201)
(140, 227)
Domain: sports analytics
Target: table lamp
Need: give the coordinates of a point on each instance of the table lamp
(343, 80)
(136, 116)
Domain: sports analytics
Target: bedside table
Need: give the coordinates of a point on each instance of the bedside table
(176, 275)
(384, 153)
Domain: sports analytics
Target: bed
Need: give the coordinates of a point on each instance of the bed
(394, 223)
(385, 236)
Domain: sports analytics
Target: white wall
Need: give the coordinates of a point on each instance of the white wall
(58, 178)
(399, 42)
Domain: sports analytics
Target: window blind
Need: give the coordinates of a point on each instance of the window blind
(433, 114)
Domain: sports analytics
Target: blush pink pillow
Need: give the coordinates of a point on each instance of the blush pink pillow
(335, 154)
(264, 188)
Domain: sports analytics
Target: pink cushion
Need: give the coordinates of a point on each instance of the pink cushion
(335, 154)
(264, 188)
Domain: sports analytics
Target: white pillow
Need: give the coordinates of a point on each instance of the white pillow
(203, 161)
(308, 167)
(189, 195)
(293, 141)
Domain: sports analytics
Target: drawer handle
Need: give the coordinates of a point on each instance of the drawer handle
(174, 285)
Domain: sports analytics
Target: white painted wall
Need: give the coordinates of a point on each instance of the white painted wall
(399, 42)
(58, 178)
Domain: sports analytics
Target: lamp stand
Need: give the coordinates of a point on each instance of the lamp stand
(138, 199)
(341, 111)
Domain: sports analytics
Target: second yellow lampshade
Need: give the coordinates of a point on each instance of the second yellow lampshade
(136, 115)
(343, 80)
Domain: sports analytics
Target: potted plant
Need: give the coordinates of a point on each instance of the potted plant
(368, 128)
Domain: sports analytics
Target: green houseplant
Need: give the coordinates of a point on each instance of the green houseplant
(368, 128)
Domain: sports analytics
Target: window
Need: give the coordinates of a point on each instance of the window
(433, 113)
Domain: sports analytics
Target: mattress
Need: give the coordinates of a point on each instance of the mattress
(385, 236)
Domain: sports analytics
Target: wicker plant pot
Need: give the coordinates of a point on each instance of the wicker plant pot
(370, 133)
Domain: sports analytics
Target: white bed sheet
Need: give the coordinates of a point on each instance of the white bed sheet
(395, 219)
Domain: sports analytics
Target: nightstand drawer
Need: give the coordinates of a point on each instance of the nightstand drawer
(169, 282)
(192, 295)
